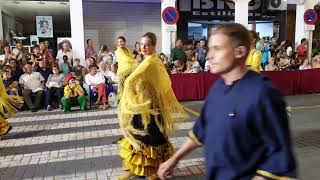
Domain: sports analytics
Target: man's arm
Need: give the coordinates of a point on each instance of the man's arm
(273, 127)
(196, 138)
(166, 169)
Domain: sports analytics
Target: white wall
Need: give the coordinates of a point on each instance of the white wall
(105, 21)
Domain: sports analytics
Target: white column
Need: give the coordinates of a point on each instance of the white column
(77, 30)
(1, 28)
(242, 12)
(167, 37)
(302, 29)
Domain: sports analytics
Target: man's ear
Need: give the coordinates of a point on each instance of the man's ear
(240, 52)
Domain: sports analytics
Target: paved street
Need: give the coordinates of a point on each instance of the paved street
(80, 145)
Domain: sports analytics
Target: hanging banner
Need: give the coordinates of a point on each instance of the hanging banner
(217, 9)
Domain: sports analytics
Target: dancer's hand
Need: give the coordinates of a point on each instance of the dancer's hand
(166, 169)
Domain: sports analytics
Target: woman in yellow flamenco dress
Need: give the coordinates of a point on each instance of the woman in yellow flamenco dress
(8, 105)
(146, 111)
(126, 63)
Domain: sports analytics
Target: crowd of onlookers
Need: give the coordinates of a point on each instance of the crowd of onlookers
(60, 81)
(191, 57)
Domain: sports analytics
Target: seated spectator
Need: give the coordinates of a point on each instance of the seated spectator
(36, 56)
(43, 70)
(32, 82)
(105, 55)
(316, 62)
(10, 85)
(189, 68)
(22, 63)
(305, 65)
(73, 95)
(139, 58)
(283, 62)
(189, 50)
(103, 69)
(112, 76)
(20, 52)
(89, 62)
(65, 67)
(178, 67)
(79, 71)
(4, 58)
(55, 85)
(16, 70)
(271, 65)
(195, 64)
(96, 80)
(46, 55)
(137, 50)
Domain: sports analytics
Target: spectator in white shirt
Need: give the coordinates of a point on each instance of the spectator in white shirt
(96, 80)
(32, 82)
(112, 77)
(305, 65)
(103, 69)
(65, 51)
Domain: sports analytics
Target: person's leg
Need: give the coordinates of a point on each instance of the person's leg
(96, 90)
(27, 98)
(50, 97)
(59, 93)
(66, 104)
(38, 101)
(82, 100)
(102, 93)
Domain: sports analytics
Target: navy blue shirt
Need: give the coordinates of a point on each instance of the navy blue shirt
(245, 131)
(44, 73)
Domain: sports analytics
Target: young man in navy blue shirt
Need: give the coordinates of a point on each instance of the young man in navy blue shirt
(243, 125)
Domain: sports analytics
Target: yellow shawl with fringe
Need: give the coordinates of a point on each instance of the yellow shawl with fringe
(126, 65)
(147, 91)
(8, 104)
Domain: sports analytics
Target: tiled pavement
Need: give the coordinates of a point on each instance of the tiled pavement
(80, 145)
(77, 145)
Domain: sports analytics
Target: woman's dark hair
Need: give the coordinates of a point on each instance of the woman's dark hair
(152, 37)
(35, 47)
(104, 47)
(93, 66)
(123, 38)
(88, 41)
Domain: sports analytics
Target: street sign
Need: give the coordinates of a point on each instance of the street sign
(170, 15)
(310, 17)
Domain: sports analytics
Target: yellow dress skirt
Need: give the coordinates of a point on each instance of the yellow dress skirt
(5, 127)
(155, 148)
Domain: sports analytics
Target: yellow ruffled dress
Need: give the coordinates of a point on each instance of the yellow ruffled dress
(146, 112)
(8, 104)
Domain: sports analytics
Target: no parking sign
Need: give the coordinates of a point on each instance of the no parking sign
(310, 17)
(170, 15)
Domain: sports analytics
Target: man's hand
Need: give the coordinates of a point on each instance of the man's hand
(258, 178)
(72, 85)
(166, 169)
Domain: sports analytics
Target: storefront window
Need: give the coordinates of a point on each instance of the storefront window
(197, 31)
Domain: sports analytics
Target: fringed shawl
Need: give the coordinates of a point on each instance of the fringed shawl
(8, 104)
(147, 91)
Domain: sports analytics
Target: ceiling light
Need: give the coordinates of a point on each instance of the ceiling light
(16, 2)
(40, 2)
